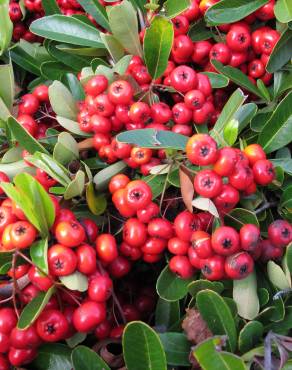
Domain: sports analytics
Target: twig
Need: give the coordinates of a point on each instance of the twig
(265, 206)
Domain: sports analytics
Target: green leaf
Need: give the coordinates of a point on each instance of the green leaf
(250, 335)
(66, 149)
(6, 81)
(156, 184)
(167, 313)
(239, 216)
(198, 31)
(84, 358)
(25, 140)
(277, 276)
(102, 178)
(39, 198)
(245, 296)
(75, 281)
(285, 164)
(157, 45)
(263, 89)
(281, 52)
(151, 138)
(53, 356)
(283, 11)
(96, 202)
(49, 165)
(34, 308)
(217, 81)
(12, 169)
(170, 287)
(122, 65)
(227, 114)
(198, 285)
(4, 111)
(282, 82)
(50, 7)
(71, 126)
(124, 25)
(174, 7)
(231, 10)
(245, 114)
(97, 11)
(38, 253)
(25, 60)
(148, 353)
(277, 132)
(238, 77)
(72, 82)
(288, 256)
(230, 131)
(76, 186)
(67, 29)
(76, 339)
(77, 62)
(210, 358)
(113, 46)
(177, 348)
(62, 101)
(6, 28)
(217, 315)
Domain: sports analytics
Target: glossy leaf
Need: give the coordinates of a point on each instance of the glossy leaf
(97, 11)
(4, 111)
(6, 80)
(217, 315)
(227, 114)
(151, 138)
(34, 308)
(62, 101)
(71, 126)
(49, 165)
(12, 169)
(148, 353)
(231, 10)
(238, 77)
(75, 281)
(66, 149)
(102, 178)
(124, 25)
(38, 253)
(76, 339)
(25, 140)
(67, 29)
(198, 31)
(281, 53)
(76, 186)
(96, 202)
(209, 357)
(39, 198)
(113, 46)
(277, 132)
(174, 7)
(50, 7)
(217, 80)
(156, 184)
(239, 217)
(246, 298)
(157, 45)
(6, 26)
(177, 348)
(52, 356)
(84, 358)
(170, 287)
(277, 276)
(167, 314)
(282, 82)
(245, 114)
(198, 285)
(74, 85)
(230, 131)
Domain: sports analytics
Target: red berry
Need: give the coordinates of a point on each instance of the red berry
(106, 247)
(181, 266)
(207, 183)
(134, 232)
(62, 260)
(249, 237)
(201, 150)
(88, 315)
(185, 224)
(52, 325)
(70, 233)
(225, 241)
(280, 233)
(239, 266)
(183, 79)
(263, 172)
(201, 242)
(138, 194)
(213, 268)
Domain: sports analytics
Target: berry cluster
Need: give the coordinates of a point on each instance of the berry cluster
(242, 170)
(74, 246)
(243, 48)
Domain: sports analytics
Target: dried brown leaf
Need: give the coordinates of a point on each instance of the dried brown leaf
(186, 187)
